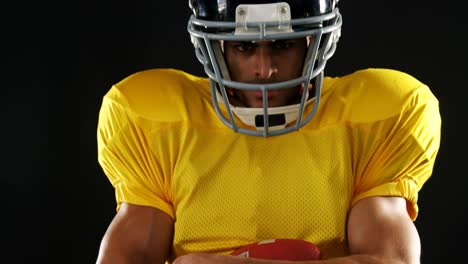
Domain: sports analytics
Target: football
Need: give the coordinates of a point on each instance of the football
(280, 249)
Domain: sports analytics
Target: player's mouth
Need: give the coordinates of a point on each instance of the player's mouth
(257, 99)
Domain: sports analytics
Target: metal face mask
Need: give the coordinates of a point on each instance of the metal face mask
(215, 21)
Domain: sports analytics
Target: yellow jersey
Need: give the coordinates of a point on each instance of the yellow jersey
(161, 144)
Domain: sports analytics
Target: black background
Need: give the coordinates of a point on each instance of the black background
(59, 59)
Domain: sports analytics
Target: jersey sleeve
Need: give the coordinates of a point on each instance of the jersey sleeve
(404, 153)
(126, 157)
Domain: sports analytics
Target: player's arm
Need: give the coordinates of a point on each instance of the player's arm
(381, 228)
(380, 231)
(137, 234)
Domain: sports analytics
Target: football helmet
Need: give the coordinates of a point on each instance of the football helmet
(216, 21)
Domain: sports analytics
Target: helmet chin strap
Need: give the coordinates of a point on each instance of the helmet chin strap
(278, 117)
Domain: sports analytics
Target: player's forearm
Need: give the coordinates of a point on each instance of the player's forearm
(116, 253)
(352, 259)
(118, 257)
(115, 259)
(199, 258)
(363, 259)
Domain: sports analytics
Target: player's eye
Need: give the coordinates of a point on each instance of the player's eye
(282, 44)
(245, 46)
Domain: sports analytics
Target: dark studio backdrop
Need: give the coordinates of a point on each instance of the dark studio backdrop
(63, 58)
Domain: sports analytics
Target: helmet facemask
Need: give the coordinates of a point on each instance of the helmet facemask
(266, 22)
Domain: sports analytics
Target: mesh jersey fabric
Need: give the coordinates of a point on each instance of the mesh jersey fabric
(160, 143)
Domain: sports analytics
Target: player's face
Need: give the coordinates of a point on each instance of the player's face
(265, 62)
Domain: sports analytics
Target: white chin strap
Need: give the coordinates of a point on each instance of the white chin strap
(278, 117)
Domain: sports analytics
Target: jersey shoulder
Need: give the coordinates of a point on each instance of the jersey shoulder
(376, 93)
(151, 92)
